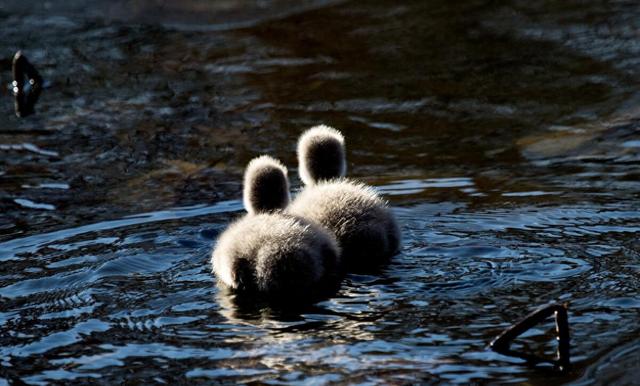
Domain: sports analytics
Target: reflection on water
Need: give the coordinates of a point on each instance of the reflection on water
(140, 291)
(506, 138)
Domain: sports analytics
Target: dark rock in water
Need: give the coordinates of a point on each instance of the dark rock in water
(27, 85)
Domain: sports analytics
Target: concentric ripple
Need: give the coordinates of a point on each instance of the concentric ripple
(130, 297)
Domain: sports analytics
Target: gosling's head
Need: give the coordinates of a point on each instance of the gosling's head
(266, 186)
(321, 155)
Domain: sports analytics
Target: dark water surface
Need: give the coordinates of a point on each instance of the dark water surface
(506, 136)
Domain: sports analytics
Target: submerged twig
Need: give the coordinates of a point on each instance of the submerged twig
(27, 85)
(502, 343)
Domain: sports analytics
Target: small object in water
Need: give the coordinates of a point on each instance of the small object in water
(282, 257)
(365, 227)
(502, 343)
(27, 85)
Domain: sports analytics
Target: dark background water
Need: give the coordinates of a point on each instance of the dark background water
(505, 134)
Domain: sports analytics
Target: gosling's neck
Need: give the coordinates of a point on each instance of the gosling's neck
(321, 155)
(266, 186)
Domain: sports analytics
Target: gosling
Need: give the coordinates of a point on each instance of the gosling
(275, 254)
(365, 227)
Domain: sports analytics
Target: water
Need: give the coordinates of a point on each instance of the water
(505, 137)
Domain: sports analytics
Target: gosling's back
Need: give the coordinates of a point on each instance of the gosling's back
(364, 226)
(276, 254)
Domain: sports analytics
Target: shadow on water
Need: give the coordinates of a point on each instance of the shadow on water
(505, 135)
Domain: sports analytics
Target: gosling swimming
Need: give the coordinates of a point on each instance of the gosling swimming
(276, 254)
(364, 226)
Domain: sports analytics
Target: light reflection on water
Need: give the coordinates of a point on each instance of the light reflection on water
(145, 283)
